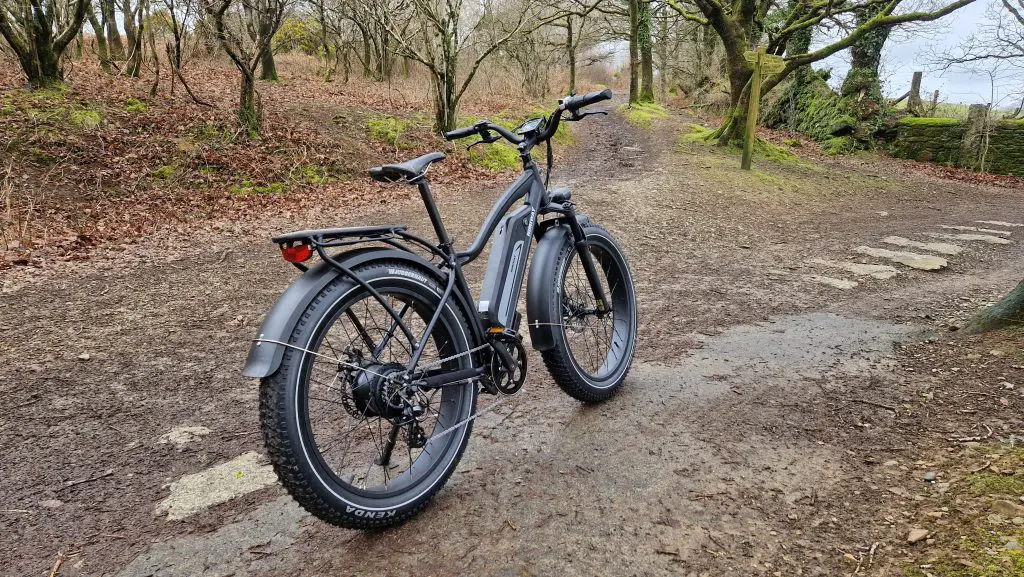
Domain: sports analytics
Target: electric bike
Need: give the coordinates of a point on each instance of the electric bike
(371, 362)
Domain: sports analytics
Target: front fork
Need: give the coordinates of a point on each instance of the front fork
(587, 259)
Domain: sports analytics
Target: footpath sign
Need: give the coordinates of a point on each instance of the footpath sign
(762, 63)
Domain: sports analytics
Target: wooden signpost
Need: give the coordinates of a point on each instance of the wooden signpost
(762, 63)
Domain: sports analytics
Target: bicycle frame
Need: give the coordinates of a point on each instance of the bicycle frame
(530, 186)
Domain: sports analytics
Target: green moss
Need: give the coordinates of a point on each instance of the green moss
(496, 157)
(165, 172)
(316, 174)
(768, 151)
(792, 142)
(696, 134)
(643, 115)
(914, 121)
(40, 156)
(389, 129)
(839, 145)
(135, 105)
(247, 188)
(209, 133)
(85, 118)
(992, 484)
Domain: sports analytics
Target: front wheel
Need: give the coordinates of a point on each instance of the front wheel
(593, 350)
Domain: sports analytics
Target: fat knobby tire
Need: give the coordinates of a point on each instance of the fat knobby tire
(279, 422)
(558, 359)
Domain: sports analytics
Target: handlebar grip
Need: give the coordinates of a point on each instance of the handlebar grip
(461, 133)
(574, 103)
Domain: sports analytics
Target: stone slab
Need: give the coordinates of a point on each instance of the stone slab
(1001, 223)
(911, 259)
(841, 284)
(192, 493)
(972, 237)
(878, 271)
(939, 247)
(976, 229)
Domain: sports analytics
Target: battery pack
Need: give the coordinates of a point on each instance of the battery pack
(505, 269)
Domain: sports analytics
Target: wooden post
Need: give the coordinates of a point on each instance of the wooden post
(752, 110)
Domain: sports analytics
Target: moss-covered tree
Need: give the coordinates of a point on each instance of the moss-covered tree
(865, 57)
(38, 31)
(1008, 311)
(743, 24)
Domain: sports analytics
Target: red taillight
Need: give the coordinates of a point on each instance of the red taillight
(296, 254)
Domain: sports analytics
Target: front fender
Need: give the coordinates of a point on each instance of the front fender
(542, 281)
(265, 357)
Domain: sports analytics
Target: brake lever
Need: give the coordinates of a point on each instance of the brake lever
(486, 138)
(578, 117)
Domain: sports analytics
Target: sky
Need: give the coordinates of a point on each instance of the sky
(907, 51)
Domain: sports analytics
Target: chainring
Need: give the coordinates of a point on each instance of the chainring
(509, 384)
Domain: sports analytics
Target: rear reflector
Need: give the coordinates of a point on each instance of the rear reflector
(296, 254)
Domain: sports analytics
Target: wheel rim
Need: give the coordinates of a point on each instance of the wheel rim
(348, 431)
(599, 345)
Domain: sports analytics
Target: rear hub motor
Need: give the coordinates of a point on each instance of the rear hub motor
(376, 391)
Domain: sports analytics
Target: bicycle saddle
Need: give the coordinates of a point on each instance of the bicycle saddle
(408, 171)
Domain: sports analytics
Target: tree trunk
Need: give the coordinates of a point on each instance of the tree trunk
(732, 129)
(268, 68)
(445, 103)
(663, 62)
(634, 57)
(1009, 311)
(570, 48)
(914, 98)
(133, 32)
(865, 57)
(109, 18)
(645, 45)
(101, 39)
(249, 117)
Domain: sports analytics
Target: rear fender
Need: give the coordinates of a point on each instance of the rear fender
(265, 357)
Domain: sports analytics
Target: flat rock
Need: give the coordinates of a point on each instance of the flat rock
(192, 493)
(976, 229)
(1001, 223)
(181, 436)
(879, 271)
(939, 247)
(1007, 508)
(916, 535)
(972, 237)
(841, 284)
(911, 259)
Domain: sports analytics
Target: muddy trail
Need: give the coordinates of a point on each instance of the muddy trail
(738, 445)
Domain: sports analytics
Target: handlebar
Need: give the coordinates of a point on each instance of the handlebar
(569, 103)
(574, 103)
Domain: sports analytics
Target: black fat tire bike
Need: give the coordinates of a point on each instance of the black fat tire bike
(372, 360)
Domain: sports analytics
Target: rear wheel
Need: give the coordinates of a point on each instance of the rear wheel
(592, 351)
(350, 439)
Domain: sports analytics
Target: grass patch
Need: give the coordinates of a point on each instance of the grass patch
(317, 174)
(389, 129)
(915, 121)
(136, 106)
(247, 188)
(839, 145)
(210, 133)
(85, 118)
(165, 172)
(643, 115)
(495, 157)
(992, 484)
(763, 150)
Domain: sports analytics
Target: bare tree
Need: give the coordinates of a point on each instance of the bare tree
(38, 31)
(244, 31)
(443, 31)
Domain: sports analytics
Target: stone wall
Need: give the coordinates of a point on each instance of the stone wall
(949, 141)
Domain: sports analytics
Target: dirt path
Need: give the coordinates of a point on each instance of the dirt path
(720, 456)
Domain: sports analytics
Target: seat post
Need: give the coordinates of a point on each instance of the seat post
(435, 215)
